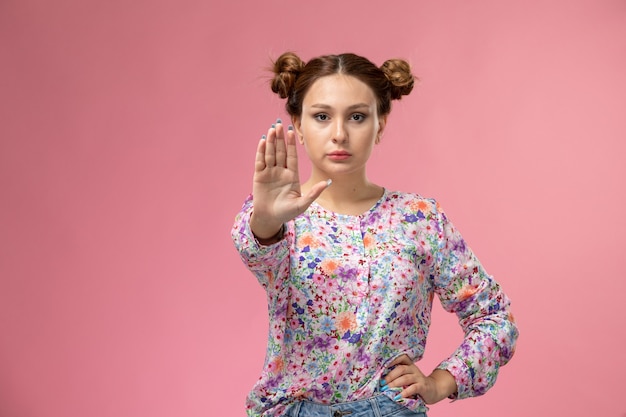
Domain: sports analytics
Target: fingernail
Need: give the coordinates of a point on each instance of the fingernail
(290, 127)
(273, 126)
(397, 397)
(329, 182)
(278, 121)
(383, 382)
(263, 137)
(384, 388)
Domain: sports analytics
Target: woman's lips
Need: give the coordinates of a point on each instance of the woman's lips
(339, 156)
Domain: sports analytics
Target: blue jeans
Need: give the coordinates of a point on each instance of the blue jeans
(377, 406)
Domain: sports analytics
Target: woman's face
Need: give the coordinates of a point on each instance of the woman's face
(339, 125)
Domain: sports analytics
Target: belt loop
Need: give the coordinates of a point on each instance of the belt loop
(374, 402)
(295, 409)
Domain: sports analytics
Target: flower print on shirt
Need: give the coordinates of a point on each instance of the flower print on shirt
(348, 294)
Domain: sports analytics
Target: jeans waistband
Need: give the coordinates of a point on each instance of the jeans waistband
(377, 406)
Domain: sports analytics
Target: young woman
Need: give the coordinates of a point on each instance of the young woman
(351, 268)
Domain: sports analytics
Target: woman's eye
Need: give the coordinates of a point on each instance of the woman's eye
(321, 117)
(358, 117)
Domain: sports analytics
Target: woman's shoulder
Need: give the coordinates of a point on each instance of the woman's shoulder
(412, 200)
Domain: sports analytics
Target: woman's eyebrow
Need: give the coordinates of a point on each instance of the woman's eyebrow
(352, 107)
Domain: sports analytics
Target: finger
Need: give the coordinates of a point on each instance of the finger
(292, 152)
(259, 161)
(397, 367)
(406, 383)
(404, 372)
(405, 380)
(281, 153)
(270, 147)
(401, 360)
(393, 377)
(411, 391)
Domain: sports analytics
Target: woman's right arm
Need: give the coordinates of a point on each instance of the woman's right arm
(276, 200)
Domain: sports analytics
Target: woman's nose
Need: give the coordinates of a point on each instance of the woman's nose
(339, 133)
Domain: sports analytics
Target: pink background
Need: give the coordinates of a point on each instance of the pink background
(127, 138)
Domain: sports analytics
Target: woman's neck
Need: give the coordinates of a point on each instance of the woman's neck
(348, 197)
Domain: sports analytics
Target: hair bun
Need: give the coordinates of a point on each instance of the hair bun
(398, 72)
(286, 69)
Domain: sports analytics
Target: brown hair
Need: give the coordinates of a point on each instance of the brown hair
(293, 77)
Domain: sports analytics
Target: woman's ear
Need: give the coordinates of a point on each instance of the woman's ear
(296, 121)
(382, 123)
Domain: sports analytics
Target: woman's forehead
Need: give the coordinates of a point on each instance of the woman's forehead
(338, 90)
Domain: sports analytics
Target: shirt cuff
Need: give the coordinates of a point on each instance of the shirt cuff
(461, 373)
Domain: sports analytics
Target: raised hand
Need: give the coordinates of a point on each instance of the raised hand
(276, 183)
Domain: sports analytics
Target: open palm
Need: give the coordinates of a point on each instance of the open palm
(276, 184)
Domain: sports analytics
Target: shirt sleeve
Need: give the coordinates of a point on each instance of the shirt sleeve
(268, 263)
(465, 288)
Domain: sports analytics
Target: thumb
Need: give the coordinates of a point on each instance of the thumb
(316, 190)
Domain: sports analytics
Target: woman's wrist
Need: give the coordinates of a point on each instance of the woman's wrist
(277, 237)
(264, 230)
(445, 384)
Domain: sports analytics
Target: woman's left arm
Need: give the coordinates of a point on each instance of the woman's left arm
(465, 288)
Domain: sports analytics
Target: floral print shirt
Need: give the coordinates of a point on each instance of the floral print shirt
(349, 294)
